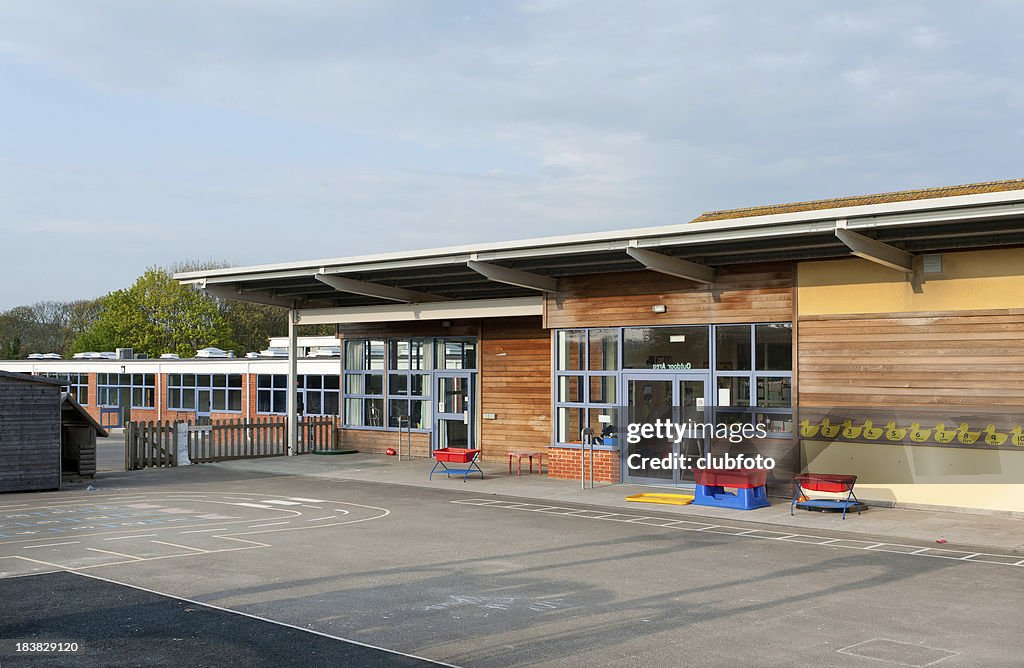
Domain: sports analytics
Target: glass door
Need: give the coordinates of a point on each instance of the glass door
(649, 398)
(691, 397)
(680, 399)
(455, 417)
(202, 406)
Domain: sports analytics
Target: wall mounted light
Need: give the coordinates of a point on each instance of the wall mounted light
(659, 308)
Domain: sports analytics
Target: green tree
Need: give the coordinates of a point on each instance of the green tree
(157, 315)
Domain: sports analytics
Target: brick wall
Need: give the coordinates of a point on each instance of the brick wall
(564, 463)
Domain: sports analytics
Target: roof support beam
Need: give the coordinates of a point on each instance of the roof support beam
(522, 279)
(874, 250)
(673, 266)
(354, 287)
(253, 297)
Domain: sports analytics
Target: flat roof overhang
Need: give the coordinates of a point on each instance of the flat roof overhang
(510, 278)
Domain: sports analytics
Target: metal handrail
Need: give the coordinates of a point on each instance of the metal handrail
(586, 438)
(408, 430)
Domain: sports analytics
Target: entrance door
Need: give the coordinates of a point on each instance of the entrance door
(675, 398)
(202, 406)
(455, 417)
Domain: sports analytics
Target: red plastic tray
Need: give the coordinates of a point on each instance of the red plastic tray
(455, 455)
(826, 482)
(738, 478)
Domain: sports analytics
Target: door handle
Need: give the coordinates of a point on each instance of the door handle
(465, 417)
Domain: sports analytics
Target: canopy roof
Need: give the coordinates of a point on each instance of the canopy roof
(887, 228)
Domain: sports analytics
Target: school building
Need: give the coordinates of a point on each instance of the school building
(880, 335)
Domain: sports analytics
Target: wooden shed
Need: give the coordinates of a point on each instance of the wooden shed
(78, 432)
(30, 432)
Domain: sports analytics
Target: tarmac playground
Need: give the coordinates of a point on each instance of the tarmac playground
(296, 562)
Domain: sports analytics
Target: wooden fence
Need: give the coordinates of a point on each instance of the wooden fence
(154, 444)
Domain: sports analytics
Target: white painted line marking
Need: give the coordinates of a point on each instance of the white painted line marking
(116, 554)
(205, 530)
(306, 505)
(873, 546)
(299, 498)
(270, 524)
(320, 519)
(184, 547)
(279, 502)
(145, 535)
(252, 505)
(29, 547)
(923, 549)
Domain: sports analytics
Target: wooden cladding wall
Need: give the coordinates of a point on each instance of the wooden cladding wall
(968, 359)
(29, 435)
(754, 293)
(515, 385)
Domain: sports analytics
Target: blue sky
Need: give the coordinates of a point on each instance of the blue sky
(140, 133)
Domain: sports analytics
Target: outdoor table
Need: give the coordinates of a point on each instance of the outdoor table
(445, 456)
(518, 456)
(836, 483)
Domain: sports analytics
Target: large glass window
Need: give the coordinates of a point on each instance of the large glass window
(586, 382)
(753, 375)
(675, 348)
(386, 383)
(364, 382)
(119, 389)
(272, 393)
(409, 364)
(225, 391)
(750, 365)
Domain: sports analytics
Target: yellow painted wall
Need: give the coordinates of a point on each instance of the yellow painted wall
(922, 475)
(973, 280)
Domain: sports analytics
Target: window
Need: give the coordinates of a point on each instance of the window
(386, 384)
(409, 364)
(272, 394)
(364, 382)
(586, 382)
(456, 354)
(75, 384)
(122, 389)
(749, 368)
(754, 375)
(678, 348)
(320, 395)
(203, 393)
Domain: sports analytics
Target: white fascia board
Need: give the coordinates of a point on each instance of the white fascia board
(478, 308)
